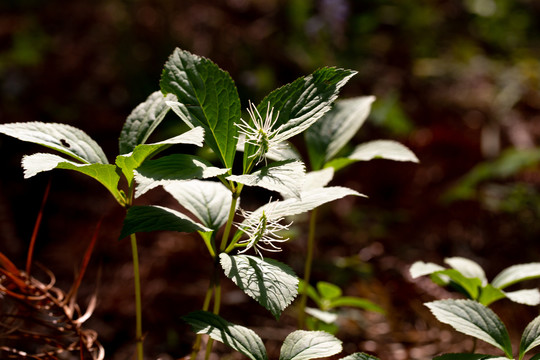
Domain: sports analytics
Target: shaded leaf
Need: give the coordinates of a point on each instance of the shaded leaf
(273, 284)
(155, 218)
(207, 97)
(468, 356)
(531, 337)
(359, 356)
(237, 337)
(305, 345)
(474, 319)
(64, 138)
(142, 121)
(209, 201)
(330, 133)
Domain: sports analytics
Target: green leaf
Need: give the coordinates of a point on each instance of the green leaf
(525, 296)
(131, 161)
(490, 294)
(420, 268)
(468, 356)
(299, 104)
(153, 173)
(359, 356)
(356, 302)
(516, 273)
(530, 337)
(142, 121)
(155, 218)
(311, 292)
(273, 284)
(305, 345)
(330, 133)
(324, 316)
(328, 290)
(467, 268)
(382, 149)
(64, 138)
(209, 201)
(474, 319)
(535, 357)
(206, 97)
(469, 286)
(318, 179)
(286, 177)
(106, 174)
(239, 338)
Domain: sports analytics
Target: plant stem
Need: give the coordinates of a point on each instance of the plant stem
(232, 211)
(138, 304)
(307, 268)
(206, 305)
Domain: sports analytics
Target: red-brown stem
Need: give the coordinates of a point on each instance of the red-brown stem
(36, 228)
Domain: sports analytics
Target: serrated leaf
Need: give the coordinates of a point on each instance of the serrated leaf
(209, 201)
(286, 177)
(467, 268)
(474, 319)
(142, 121)
(299, 104)
(330, 133)
(131, 161)
(328, 290)
(530, 338)
(359, 356)
(305, 345)
(324, 316)
(207, 97)
(106, 174)
(153, 173)
(382, 149)
(420, 268)
(468, 356)
(155, 218)
(64, 138)
(525, 296)
(240, 338)
(516, 273)
(357, 303)
(273, 284)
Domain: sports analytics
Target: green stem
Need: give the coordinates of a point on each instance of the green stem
(232, 211)
(307, 268)
(206, 305)
(138, 306)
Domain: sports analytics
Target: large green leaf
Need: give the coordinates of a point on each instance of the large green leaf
(209, 201)
(329, 134)
(206, 96)
(359, 356)
(530, 337)
(296, 106)
(286, 177)
(155, 218)
(64, 138)
(142, 121)
(273, 284)
(516, 273)
(153, 173)
(131, 161)
(474, 319)
(305, 345)
(106, 174)
(237, 337)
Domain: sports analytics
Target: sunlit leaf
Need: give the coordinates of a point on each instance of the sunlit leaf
(64, 138)
(467, 268)
(153, 173)
(474, 319)
(106, 174)
(305, 345)
(420, 268)
(209, 201)
(273, 284)
(207, 97)
(155, 218)
(525, 296)
(490, 294)
(325, 316)
(239, 338)
(329, 134)
(516, 273)
(357, 303)
(286, 177)
(382, 149)
(142, 121)
(328, 290)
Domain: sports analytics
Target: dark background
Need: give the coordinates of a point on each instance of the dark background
(456, 81)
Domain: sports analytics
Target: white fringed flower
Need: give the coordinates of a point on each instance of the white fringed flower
(261, 133)
(262, 231)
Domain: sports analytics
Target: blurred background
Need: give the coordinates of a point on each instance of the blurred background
(457, 81)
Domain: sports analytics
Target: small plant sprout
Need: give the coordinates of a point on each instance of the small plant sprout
(467, 277)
